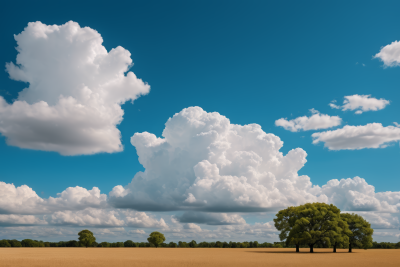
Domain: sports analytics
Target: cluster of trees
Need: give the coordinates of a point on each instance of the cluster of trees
(321, 224)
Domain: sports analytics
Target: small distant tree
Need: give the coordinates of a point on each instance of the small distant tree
(361, 231)
(104, 244)
(4, 243)
(15, 243)
(29, 243)
(172, 245)
(129, 244)
(156, 238)
(86, 238)
(192, 244)
(218, 244)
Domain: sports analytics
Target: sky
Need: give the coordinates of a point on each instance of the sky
(199, 119)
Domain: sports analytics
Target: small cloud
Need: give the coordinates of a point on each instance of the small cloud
(361, 103)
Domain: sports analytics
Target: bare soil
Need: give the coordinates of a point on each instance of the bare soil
(177, 257)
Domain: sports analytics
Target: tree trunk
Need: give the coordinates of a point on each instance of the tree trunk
(350, 247)
(334, 247)
(311, 248)
(297, 248)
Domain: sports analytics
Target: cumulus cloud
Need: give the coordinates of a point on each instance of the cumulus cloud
(381, 220)
(355, 194)
(24, 200)
(142, 220)
(210, 218)
(87, 217)
(372, 135)
(76, 88)
(361, 103)
(12, 219)
(314, 122)
(205, 163)
(390, 54)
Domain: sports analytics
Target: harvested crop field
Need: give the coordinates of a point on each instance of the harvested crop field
(176, 257)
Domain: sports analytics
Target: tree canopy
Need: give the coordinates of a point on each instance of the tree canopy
(360, 231)
(321, 223)
(285, 221)
(156, 238)
(86, 238)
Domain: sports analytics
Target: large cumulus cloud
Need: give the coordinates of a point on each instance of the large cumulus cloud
(203, 162)
(73, 102)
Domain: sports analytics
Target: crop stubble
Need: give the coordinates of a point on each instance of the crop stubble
(177, 257)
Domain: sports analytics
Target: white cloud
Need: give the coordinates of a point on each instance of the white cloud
(390, 54)
(86, 217)
(12, 219)
(142, 220)
(361, 103)
(206, 163)
(23, 200)
(137, 231)
(372, 135)
(76, 89)
(314, 122)
(210, 218)
(381, 220)
(355, 194)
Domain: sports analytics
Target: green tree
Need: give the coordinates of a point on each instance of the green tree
(104, 244)
(4, 243)
(172, 245)
(317, 222)
(341, 236)
(29, 243)
(86, 238)
(361, 231)
(284, 222)
(156, 238)
(15, 243)
(129, 244)
(192, 244)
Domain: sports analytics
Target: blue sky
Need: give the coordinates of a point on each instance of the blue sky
(252, 62)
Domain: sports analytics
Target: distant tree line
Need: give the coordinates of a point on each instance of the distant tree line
(312, 224)
(181, 244)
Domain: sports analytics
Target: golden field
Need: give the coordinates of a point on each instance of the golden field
(176, 257)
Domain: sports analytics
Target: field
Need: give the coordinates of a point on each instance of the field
(176, 257)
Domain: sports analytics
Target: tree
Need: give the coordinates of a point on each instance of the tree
(156, 238)
(285, 221)
(29, 243)
(361, 231)
(4, 243)
(104, 244)
(192, 244)
(86, 238)
(172, 245)
(316, 222)
(341, 236)
(15, 243)
(129, 244)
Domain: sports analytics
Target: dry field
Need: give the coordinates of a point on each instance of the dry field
(176, 257)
